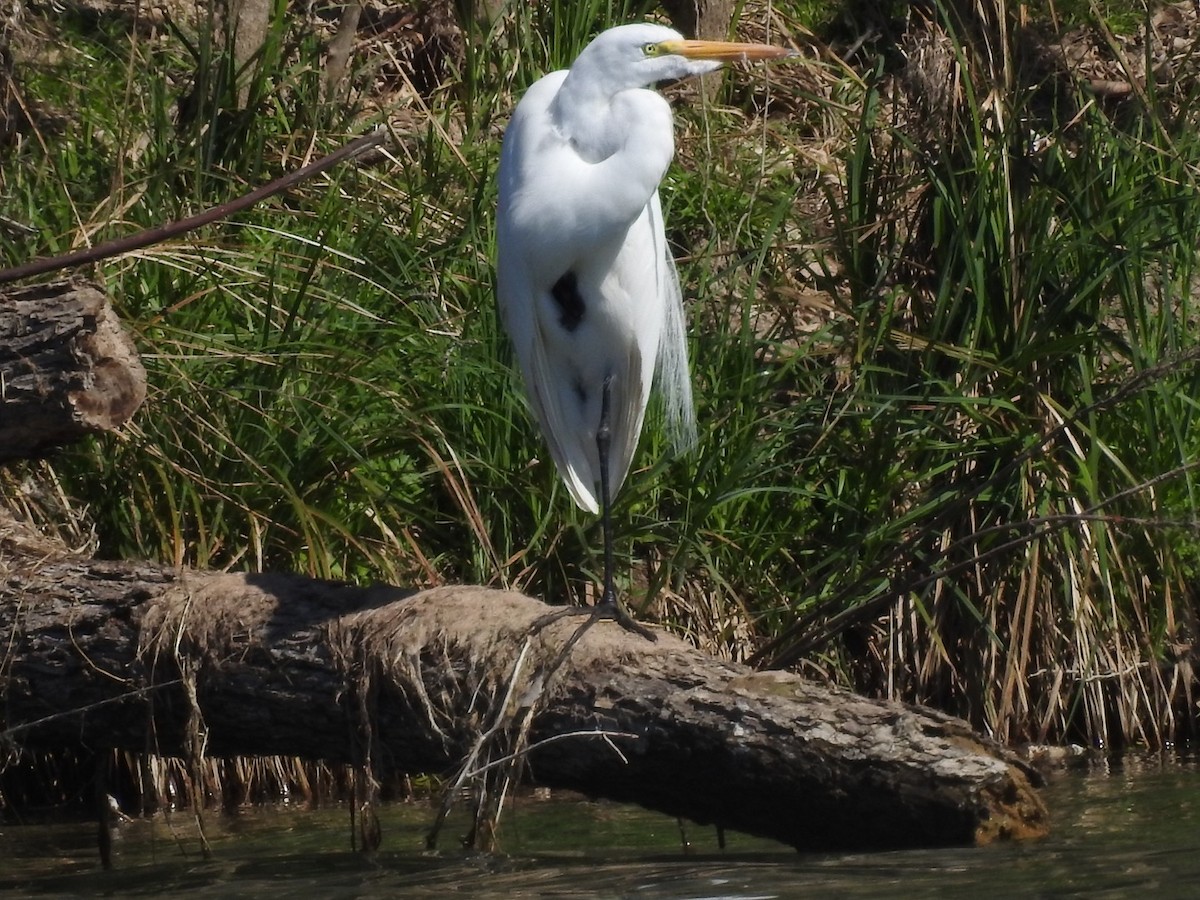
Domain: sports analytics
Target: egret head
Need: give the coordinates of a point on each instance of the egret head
(633, 56)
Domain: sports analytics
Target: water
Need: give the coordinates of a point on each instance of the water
(1124, 831)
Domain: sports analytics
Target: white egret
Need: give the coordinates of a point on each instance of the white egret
(586, 283)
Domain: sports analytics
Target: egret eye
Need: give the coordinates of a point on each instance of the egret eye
(651, 49)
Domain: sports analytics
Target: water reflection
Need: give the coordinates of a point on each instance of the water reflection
(1118, 832)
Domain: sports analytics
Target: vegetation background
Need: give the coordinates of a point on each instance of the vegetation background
(939, 274)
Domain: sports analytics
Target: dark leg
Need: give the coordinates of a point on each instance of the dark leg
(603, 445)
(609, 606)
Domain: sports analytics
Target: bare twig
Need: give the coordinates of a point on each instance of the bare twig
(11, 732)
(173, 229)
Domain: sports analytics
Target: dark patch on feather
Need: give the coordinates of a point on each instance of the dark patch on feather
(570, 304)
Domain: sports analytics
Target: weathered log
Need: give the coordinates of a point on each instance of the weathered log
(67, 369)
(102, 653)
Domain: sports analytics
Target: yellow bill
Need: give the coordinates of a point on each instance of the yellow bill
(724, 51)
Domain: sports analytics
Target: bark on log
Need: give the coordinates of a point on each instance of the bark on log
(66, 367)
(99, 653)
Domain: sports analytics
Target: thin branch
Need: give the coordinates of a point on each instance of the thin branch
(173, 229)
(9, 733)
(554, 739)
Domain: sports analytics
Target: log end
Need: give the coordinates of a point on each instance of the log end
(1015, 812)
(115, 382)
(67, 368)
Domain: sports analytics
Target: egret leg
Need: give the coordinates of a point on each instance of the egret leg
(603, 446)
(609, 606)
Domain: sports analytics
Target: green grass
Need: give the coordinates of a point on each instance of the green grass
(962, 477)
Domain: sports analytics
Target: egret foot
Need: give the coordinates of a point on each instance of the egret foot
(614, 609)
(606, 609)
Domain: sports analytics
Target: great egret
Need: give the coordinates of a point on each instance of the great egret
(586, 283)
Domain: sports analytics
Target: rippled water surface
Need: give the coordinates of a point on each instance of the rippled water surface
(1123, 831)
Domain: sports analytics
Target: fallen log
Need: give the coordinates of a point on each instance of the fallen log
(103, 654)
(67, 369)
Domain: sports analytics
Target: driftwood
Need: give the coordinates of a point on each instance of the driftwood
(113, 655)
(66, 367)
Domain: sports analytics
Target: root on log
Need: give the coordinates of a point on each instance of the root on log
(100, 653)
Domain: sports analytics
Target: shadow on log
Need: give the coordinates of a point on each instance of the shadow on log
(105, 653)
